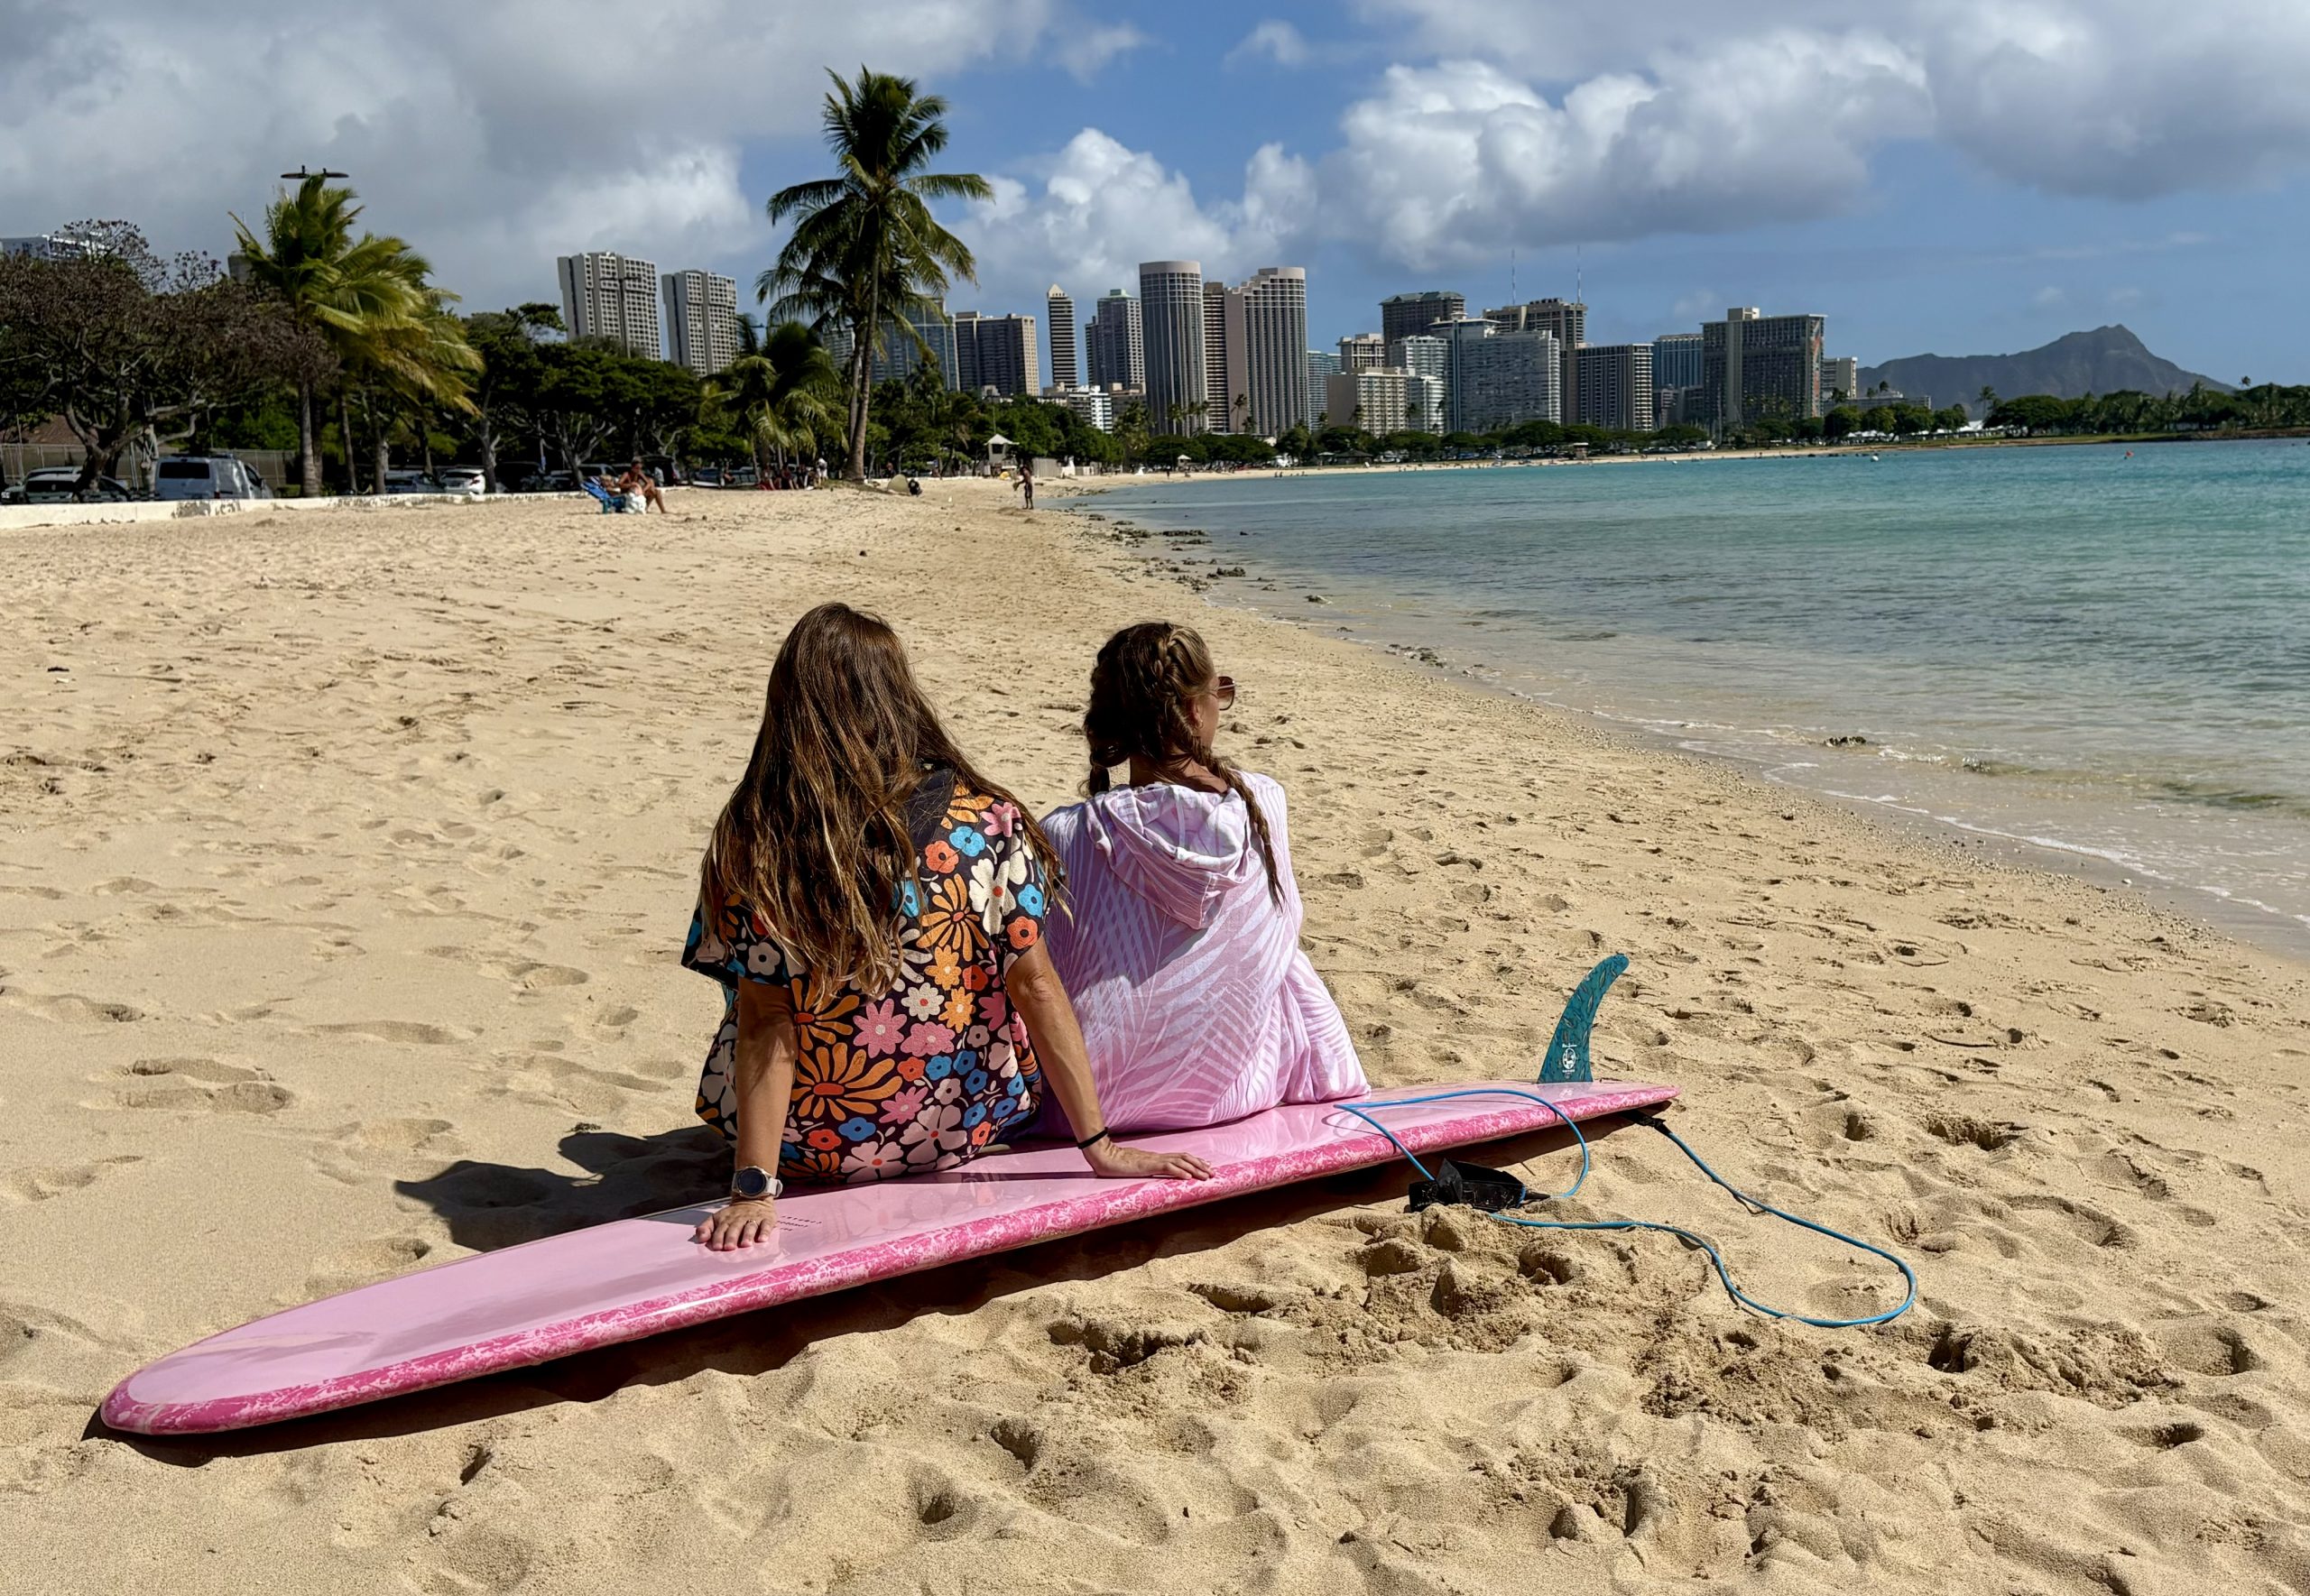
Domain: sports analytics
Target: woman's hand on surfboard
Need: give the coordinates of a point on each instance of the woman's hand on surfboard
(738, 1224)
(1131, 1163)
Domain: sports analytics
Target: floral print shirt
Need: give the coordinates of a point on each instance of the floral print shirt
(920, 1076)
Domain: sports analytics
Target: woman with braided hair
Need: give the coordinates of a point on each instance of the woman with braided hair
(1180, 950)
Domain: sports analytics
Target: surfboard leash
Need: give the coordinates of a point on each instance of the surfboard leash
(1568, 1060)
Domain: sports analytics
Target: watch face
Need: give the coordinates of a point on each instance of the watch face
(751, 1183)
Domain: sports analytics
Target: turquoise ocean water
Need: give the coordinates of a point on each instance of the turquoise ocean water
(2102, 655)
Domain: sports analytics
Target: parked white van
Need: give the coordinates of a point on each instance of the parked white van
(206, 476)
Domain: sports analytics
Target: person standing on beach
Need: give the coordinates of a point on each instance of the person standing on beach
(873, 908)
(1027, 481)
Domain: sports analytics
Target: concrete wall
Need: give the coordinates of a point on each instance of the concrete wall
(13, 517)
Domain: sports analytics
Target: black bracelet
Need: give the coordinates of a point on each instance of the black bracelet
(1088, 1142)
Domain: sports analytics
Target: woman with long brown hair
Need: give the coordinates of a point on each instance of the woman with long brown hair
(1181, 948)
(873, 909)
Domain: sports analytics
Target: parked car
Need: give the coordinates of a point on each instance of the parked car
(464, 481)
(206, 476)
(53, 484)
(411, 481)
(549, 481)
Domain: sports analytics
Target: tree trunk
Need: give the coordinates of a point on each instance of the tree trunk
(486, 439)
(308, 454)
(345, 438)
(862, 366)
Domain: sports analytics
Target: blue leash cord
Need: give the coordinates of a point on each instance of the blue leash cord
(1703, 1243)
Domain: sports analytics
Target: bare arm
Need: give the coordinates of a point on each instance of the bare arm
(1036, 992)
(763, 1075)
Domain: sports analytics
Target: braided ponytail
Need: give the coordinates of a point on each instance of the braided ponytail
(1145, 678)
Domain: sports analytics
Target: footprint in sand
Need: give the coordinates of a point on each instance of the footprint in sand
(197, 1083)
(39, 1183)
(398, 1031)
(71, 1008)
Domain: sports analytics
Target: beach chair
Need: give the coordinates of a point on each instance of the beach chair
(611, 504)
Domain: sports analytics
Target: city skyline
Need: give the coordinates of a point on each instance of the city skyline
(1873, 168)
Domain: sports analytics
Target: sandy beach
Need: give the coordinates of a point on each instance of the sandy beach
(344, 864)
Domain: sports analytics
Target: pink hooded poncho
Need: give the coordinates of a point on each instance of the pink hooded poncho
(1197, 1002)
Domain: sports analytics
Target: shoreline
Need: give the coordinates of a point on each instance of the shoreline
(1074, 487)
(337, 937)
(2270, 928)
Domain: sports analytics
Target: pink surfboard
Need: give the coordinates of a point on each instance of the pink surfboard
(638, 1276)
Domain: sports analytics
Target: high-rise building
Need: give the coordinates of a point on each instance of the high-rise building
(1424, 354)
(1840, 374)
(1756, 367)
(1096, 406)
(1404, 316)
(1423, 402)
(1064, 372)
(1500, 377)
(1566, 320)
(1615, 386)
(1220, 385)
(1118, 353)
(1362, 352)
(1323, 364)
(925, 332)
(1171, 313)
(1262, 329)
(701, 320)
(966, 377)
(1003, 354)
(1675, 360)
(613, 297)
(1372, 398)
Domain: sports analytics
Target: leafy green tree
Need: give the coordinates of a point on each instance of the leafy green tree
(504, 390)
(1131, 431)
(123, 345)
(367, 298)
(783, 393)
(865, 248)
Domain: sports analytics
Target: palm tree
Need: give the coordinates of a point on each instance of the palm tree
(780, 389)
(865, 248)
(366, 297)
(416, 366)
(1988, 397)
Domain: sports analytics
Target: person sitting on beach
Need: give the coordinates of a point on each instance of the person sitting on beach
(873, 909)
(1181, 947)
(640, 490)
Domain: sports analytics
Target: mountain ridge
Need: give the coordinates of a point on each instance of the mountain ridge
(2103, 360)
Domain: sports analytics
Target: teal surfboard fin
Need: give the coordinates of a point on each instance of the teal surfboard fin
(1568, 1056)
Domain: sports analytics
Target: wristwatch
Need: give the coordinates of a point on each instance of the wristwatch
(754, 1183)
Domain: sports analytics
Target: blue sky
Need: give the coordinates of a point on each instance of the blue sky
(1954, 176)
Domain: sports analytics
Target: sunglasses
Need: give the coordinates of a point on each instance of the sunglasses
(1223, 689)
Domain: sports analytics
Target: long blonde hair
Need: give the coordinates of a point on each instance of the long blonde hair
(815, 838)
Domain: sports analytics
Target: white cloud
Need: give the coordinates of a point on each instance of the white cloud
(492, 137)
(1274, 41)
(1096, 208)
(1458, 162)
(2114, 98)
(2048, 298)
(1083, 51)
